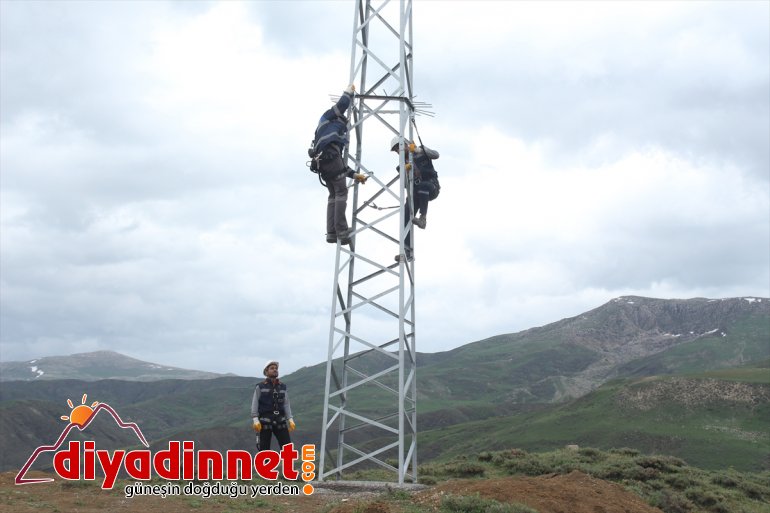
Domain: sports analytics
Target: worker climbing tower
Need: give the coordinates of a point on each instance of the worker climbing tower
(370, 400)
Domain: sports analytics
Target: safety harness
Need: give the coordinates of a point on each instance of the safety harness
(271, 409)
(328, 163)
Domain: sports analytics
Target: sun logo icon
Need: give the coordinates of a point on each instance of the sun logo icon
(80, 414)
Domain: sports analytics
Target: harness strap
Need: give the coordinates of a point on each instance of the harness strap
(414, 123)
(270, 423)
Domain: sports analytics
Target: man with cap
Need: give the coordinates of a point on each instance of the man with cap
(270, 409)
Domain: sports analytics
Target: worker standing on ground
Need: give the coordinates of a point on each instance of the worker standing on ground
(270, 409)
(331, 139)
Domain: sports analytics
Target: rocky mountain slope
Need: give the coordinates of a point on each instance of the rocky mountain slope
(626, 336)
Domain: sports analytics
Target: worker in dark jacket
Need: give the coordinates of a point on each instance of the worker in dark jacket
(425, 188)
(270, 409)
(331, 139)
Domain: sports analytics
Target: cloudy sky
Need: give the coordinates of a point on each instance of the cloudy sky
(154, 198)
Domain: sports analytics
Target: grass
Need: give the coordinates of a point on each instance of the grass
(666, 482)
(663, 481)
(747, 375)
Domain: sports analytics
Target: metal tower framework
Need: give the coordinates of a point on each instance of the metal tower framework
(372, 356)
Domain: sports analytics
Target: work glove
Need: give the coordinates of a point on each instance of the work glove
(292, 425)
(412, 147)
(351, 89)
(257, 425)
(408, 166)
(360, 178)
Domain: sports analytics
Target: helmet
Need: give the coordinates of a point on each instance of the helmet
(394, 143)
(268, 364)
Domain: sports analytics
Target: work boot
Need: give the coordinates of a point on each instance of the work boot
(421, 221)
(409, 257)
(331, 238)
(344, 236)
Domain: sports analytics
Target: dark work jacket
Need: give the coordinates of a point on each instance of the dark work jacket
(333, 126)
(270, 396)
(423, 161)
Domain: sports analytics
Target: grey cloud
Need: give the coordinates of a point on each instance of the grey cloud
(675, 86)
(82, 71)
(305, 27)
(686, 257)
(130, 224)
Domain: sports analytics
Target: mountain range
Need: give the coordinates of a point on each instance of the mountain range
(686, 377)
(95, 366)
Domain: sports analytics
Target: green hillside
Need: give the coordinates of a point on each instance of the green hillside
(756, 372)
(580, 380)
(713, 420)
(711, 423)
(29, 412)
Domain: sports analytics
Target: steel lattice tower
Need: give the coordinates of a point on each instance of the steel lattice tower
(370, 407)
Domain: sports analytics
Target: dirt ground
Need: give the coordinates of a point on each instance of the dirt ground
(572, 493)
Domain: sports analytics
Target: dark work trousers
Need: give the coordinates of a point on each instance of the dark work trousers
(336, 204)
(265, 436)
(423, 192)
(407, 217)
